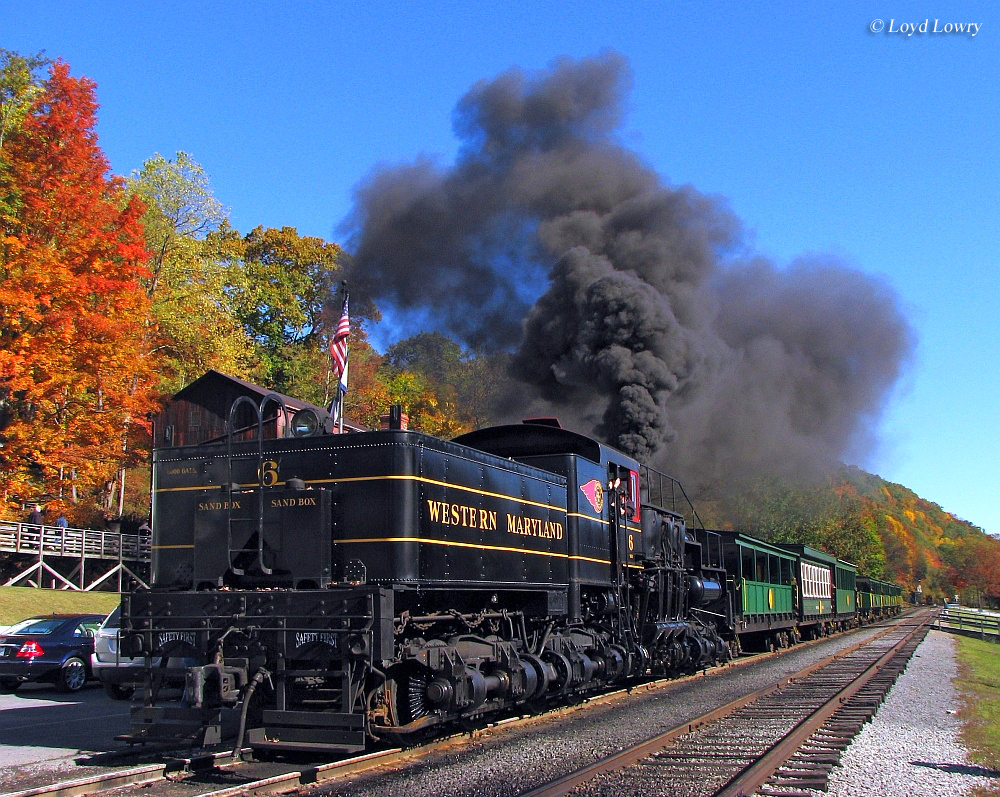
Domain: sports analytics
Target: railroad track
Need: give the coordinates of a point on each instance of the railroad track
(776, 742)
(221, 775)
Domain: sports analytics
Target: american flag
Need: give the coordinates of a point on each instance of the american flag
(338, 347)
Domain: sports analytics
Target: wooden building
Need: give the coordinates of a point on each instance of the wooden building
(199, 412)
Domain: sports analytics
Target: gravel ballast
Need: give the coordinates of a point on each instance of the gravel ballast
(911, 748)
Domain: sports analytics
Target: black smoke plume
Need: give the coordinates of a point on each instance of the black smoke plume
(631, 307)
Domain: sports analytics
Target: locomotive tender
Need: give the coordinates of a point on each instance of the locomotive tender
(327, 589)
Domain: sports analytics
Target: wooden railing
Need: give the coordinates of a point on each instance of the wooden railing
(970, 622)
(28, 538)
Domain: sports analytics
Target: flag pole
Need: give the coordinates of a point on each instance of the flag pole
(342, 387)
(339, 353)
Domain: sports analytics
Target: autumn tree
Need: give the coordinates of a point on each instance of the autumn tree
(985, 568)
(283, 289)
(74, 378)
(462, 385)
(193, 326)
(20, 86)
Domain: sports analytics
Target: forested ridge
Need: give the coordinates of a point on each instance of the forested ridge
(117, 292)
(886, 529)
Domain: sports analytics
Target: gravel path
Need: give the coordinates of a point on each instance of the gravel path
(911, 748)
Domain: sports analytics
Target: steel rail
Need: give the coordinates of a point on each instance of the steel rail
(758, 773)
(617, 761)
(149, 773)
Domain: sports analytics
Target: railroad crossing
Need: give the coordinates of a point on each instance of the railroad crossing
(72, 559)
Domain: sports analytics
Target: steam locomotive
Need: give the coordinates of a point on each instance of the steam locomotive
(316, 591)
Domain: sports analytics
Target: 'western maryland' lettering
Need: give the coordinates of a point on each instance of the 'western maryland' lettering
(534, 527)
(470, 517)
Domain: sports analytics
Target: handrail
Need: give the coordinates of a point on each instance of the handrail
(31, 538)
(969, 622)
(230, 431)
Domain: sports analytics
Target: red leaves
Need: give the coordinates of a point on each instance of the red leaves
(72, 311)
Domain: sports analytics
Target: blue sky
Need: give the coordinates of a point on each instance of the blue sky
(823, 136)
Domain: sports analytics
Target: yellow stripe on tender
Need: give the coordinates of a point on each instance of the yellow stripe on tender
(423, 480)
(479, 546)
(442, 542)
(352, 479)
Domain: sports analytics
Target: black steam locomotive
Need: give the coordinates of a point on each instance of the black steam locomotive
(326, 589)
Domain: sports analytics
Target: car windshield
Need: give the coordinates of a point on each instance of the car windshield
(36, 626)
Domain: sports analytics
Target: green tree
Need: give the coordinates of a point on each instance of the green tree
(286, 298)
(462, 383)
(21, 84)
(193, 325)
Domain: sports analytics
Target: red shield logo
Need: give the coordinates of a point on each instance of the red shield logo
(595, 494)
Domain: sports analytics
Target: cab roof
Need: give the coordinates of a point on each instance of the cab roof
(534, 438)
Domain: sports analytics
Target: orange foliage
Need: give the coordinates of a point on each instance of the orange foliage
(74, 378)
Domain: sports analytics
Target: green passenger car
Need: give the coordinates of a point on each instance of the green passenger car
(845, 587)
(826, 590)
(762, 583)
(877, 599)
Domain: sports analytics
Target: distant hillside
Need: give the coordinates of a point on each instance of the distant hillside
(926, 545)
(887, 529)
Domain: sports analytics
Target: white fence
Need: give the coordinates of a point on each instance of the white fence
(70, 558)
(970, 622)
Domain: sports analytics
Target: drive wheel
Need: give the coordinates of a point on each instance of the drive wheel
(8, 686)
(72, 676)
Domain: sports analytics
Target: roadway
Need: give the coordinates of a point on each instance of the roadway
(40, 725)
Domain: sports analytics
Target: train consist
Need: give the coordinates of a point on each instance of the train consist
(319, 591)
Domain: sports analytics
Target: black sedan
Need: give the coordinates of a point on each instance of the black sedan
(56, 648)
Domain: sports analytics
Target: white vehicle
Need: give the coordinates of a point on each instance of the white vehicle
(108, 665)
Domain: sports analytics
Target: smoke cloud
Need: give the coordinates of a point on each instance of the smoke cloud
(629, 305)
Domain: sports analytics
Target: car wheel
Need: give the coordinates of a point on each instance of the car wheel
(8, 686)
(117, 691)
(72, 676)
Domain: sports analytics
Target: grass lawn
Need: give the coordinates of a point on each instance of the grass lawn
(978, 682)
(19, 603)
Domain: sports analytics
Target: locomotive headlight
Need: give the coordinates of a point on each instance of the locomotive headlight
(305, 423)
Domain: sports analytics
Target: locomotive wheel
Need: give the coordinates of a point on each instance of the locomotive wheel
(541, 675)
(621, 655)
(412, 701)
(563, 670)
